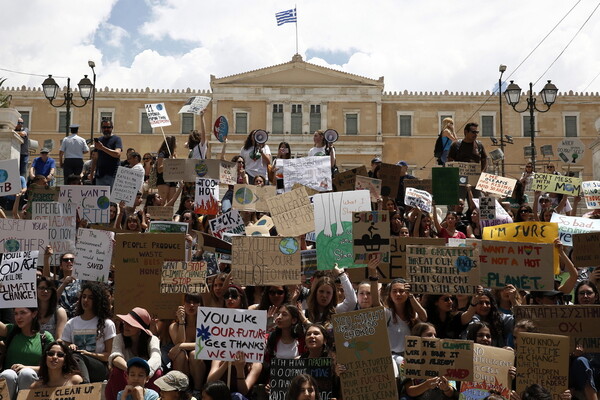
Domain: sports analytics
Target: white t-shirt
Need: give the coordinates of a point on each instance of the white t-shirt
(83, 334)
(317, 151)
(199, 152)
(254, 163)
(287, 350)
(396, 331)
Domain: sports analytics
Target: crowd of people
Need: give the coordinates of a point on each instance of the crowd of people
(74, 337)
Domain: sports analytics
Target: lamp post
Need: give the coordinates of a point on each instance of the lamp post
(548, 93)
(51, 90)
(92, 65)
(501, 69)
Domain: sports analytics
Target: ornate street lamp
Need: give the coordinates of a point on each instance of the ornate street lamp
(51, 90)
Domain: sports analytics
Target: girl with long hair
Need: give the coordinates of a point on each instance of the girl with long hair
(448, 137)
(303, 387)
(322, 147)
(586, 292)
(287, 340)
(317, 341)
(197, 142)
(236, 298)
(51, 317)
(216, 290)
(486, 310)
(440, 313)
(322, 301)
(284, 152)
(167, 150)
(57, 367)
(272, 298)
(256, 156)
(449, 230)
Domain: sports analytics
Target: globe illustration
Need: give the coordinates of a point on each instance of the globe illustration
(288, 246)
(244, 196)
(201, 169)
(103, 202)
(3, 175)
(11, 245)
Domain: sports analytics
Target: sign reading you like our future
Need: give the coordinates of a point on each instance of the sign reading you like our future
(17, 279)
(496, 184)
(157, 115)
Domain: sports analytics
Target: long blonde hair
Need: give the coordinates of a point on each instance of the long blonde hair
(446, 124)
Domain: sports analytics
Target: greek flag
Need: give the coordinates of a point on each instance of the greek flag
(284, 17)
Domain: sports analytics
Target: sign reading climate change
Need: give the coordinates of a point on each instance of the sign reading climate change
(17, 279)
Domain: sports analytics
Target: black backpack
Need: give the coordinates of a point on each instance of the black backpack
(439, 146)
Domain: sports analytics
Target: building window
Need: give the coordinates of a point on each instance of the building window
(241, 122)
(25, 116)
(315, 117)
(145, 126)
(296, 127)
(570, 125)
(62, 121)
(405, 124)
(277, 118)
(487, 125)
(527, 127)
(351, 122)
(187, 122)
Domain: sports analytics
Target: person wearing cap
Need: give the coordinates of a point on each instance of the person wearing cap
(173, 386)
(374, 163)
(135, 340)
(402, 176)
(43, 165)
(72, 149)
(138, 372)
(24, 156)
(469, 149)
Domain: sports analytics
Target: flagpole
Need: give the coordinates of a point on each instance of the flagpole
(296, 12)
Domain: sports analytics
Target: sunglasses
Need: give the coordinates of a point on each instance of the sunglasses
(58, 354)
(232, 295)
(276, 292)
(147, 159)
(474, 132)
(68, 259)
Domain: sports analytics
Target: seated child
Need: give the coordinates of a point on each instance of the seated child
(138, 372)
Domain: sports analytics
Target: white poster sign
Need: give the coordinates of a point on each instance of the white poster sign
(93, 202)
(24, 235)
(157, 115)
(127, 184)
(591, 192)
(10, 180)
(418, 198)
(314, 172)
(502, 217)
(496, 184)
(63, 226)
(231, 222)
(571, 150)
(568, 226)
(93, 254)
(195, 105)
(18, 287)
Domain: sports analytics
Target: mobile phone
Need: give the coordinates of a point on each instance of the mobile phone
(96, 139)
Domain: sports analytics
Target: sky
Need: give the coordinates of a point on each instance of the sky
(416, 45)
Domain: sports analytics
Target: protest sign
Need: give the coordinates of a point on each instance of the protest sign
(292, 213)
(427, 357)
(18, 287)
(10, 179)
(543, 359)
(487, 208)
(92, 201)
(390, 182)
(421, 184)
(183, 277)
(444, 185)
(231, 222)
(261, 261)
(586, 249)
(371, 184)
(41, 194)
(252, 197)
(167, 227)
(283, 370)
(139, 259)
(346, 180)
(568, 226)
(127, 185)
(93, 255)
(314, 172)
(365, 351)
(553, 183)
(157, 116)
(195, 105)
(62, 226)
(370, 234)
(222, 332)
(206, 196)
(261, 227)
(500, 217)
(418, 198)
(24, 235)
(333, 226)
(570, 150)
(442, 269)
(188, 169)
(160, 213)
(84, 391)
(468, 173)
(490, 373)
(591, 193)
(496, 184)
(526, 266)
(308, 262)
(221, 128)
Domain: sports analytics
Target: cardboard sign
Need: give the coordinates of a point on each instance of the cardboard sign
(427, 357)
(40, 194)
(157, 115)
(261, 227)
(371, 184)
(569, 226)
(10, 179)
(390, 179)
(500, 217)
(188, 169)
(487, 208)
(93, 254)
(490, 372)
(283, 370)
(93, 202)
(496, 184)
(24, 235)
(365, 351)
(314, 172)
(18, 287)
(527, 266)
(543, 359)
(195, 105)
(333, 226)
(127, 185)
(160, 213)
(308, 261)
(167, 227)
(445, 185)
(346, 180)
(139, 259)
(418, 198)
(421, 184)
(231, 222)
(586, 249)
(89, 391)
(370, 234)
(222, 332)
(591, 193)
(183, 277)
(252, 197)
(292, 213)
(261, 261)
(442, 269)
(571, 150)
(556, 184)
(62, 228)
(468, 173)
(206, 196)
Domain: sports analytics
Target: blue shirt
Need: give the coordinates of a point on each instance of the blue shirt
(149, 394)
(43, 168)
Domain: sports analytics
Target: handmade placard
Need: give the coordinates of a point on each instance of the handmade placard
(490, 372)
(496, 184)
(10, 179)
(126, 186)
(591, 193)
(230, 222)
(84, 391)
(93, 254)
(92, 201)
(500, 216)
(62, 226)
(389, 174)
(421, 184)
(553, 183)
(261, 227)
(18, 287)
(188, 169)
(252, 197)
(418, 198)
(167, 227)
(183, 277)
(427, 357)
(206, 199)
(314, 172)
(24, 235)
(195, 105)
(468, 173)
(370, 234)
(292, 213)
(487, 208)
(346, 180)
(371, 184)
(569, 226)
(157, 115)
(160, 213)
(586, 249)
(283, 370)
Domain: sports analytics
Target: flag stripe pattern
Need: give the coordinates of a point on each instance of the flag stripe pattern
(284, 17)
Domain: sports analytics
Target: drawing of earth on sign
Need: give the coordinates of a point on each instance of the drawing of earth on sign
(221, 128)
(103, 202)
(3, 175)
(337, 248)
(289, 246)
(11, 245)
(244, 196)
(159, 106)
(201, 169)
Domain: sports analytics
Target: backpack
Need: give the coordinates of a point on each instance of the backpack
(438, 149)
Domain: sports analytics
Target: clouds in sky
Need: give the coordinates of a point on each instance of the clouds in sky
(426, 45)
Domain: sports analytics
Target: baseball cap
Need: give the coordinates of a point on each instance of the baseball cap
(139, 362)
(376, 160)
(402, 163)
(45, 150)
(174, 380)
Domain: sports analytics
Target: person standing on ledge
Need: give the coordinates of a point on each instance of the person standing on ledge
(469, 149)
(72, 149)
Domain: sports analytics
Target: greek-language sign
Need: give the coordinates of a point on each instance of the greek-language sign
(222, 332)
(157, 115)
(261, 260)
(24, 235)
(195, 105)
(127, 185)
(346, 180)
(167, 227)
(92, 201)
(62, 228)
(496, 184)
(10, 180)
(371, 184)
(591, 193)
(231, 222)
(188, 169)
(17, 279)
(40, 194)
(490, 372)
(139, 259)
(526, 266)
(543, 359)
(418, 198)
(90, 391)
(292, 212)
(468, 173)
(370, 234)
(251, 197)
(441, 269)
(333, 226)
(444, 186)
(183, 277)
(568, 226)
(365, 351)
(570, 150)
(586, 249)
(427, 357)
(556, 184)
(207, 196)
(314, 172)
(283, 370)
(93, 254)
(160, 213)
